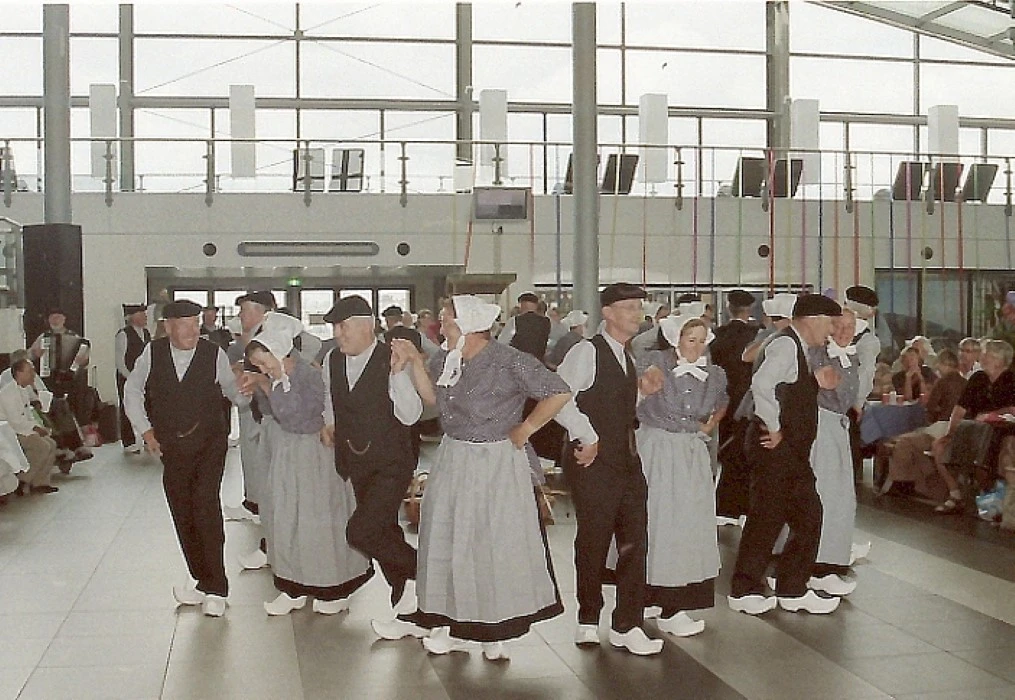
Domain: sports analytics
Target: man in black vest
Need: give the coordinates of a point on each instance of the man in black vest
(174, 401)
(529, 331)
(129, 343)
(778, 442)
(727, 352)
(607, 484)
(370, 404)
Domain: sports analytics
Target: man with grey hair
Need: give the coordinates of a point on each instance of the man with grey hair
(173, 398)
(969, 357)
(370, 403)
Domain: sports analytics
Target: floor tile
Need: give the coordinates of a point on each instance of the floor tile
(122, 649)
(922, 673)
(12, 680)
(98, 682)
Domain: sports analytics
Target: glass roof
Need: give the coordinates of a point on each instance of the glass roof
(986, 25)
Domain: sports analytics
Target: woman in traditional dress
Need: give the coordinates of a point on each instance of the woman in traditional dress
(685, 397)
(306, 505)
(832, 460)
(484, 570)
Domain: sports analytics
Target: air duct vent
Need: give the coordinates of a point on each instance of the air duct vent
(262, 249)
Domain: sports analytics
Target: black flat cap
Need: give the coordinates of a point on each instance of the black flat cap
(181, 309)
(620, 291)
(347, 308)
(529, 297)
(815, 305)
(131, 309)
(264, 298)
(739, 298)
(392, 311)
(862, 295)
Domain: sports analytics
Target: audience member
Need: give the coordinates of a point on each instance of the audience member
(40, 449)
(908, 462)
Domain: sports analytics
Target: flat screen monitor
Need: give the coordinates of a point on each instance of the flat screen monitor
(500, 203)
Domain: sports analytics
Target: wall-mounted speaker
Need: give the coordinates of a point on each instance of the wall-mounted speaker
(52, 274)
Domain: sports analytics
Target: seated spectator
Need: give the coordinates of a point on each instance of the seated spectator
(969, 356)
(55, 415)
(915, 380)
(882, 380)
(908, 463)
(39, 447)
(989, 392)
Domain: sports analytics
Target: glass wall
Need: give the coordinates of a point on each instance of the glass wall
(303, 60)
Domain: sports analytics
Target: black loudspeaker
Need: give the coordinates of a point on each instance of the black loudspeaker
(750, 176)
(52, 276)
(619, 183)
(908, 181)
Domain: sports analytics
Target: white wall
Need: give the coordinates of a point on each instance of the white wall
(141, 230)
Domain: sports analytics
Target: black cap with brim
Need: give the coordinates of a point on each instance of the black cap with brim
(131, 309)
(815, 305)
(392, 311)
(739, 298)
(619, 291)
(862, 295)
(347, 308)
(181, 309)
(264, 298)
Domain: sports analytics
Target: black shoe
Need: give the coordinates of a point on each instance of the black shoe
(397, 589)
(81, 454)
(44, 489)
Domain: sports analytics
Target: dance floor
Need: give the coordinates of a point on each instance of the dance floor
(86, 611)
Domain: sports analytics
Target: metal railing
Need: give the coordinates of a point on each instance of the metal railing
(429, 166)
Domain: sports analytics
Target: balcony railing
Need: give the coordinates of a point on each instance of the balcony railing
(321, 167)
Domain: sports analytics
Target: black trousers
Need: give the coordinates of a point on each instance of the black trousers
(192, 477)
(126, 430)
(782, 493)
(610, 501)
(373, 528)
(733, 493)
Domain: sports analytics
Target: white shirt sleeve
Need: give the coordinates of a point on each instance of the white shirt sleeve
(226, 379)
(779, 367)
(329, 409)
(578, 370)
(12, 404)
(133, 393)
(867, 349)
(507, 332)
(408, 405)
(120, 353)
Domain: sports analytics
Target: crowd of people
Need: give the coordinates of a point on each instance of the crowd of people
(664, 427)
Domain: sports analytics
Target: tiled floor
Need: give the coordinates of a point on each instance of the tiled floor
(86, 612)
